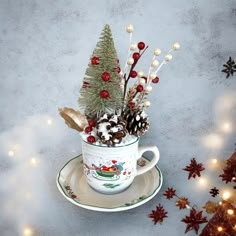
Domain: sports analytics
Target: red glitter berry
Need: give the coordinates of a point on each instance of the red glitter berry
(139, 88)
(95, 60)
(88, 129)
(92, 123)
(105, 76)
(141, 45)
(91, 139)
(133, 74)
(136, 56)
(104, 94)
(155, 80)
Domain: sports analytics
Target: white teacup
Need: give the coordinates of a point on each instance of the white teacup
(111, 170)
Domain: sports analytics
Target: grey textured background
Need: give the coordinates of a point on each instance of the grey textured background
(44, 51)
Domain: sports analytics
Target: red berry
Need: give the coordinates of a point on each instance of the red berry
(88, 129)
(104, 94)
(92, 123)
(117, 60)
(91, 139)
(105, 76)
(144, 78)
(155, 80)
(136, 56)
(131, 104)
(139, 88)
(133, 74)
(95, 60)
(118, 69)
(141, 45)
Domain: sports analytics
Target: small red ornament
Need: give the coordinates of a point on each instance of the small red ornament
(155, 80)
(88, 129)
(95, 60)
(194, 169)
(131, 104)
(118, 70)
(105, 76)
(158, 215)
(91, 139)
(141, 45)
(133, 74)
(104, 94)
(139, 88)
(136, 56)
(169, 193)
(92, 123)
(85, 85)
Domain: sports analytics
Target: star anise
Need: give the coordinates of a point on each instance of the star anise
(214, 192)
(158, 215)
(182, 203)
(194, 169)
(230, 68)
(229, 174)
(194, 220)
(169, 193)
(211, 207)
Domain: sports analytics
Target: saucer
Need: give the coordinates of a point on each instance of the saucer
(73, 186)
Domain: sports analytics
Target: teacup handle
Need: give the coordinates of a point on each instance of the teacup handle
(154, 160)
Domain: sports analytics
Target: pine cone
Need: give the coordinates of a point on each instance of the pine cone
(111, 129)
(137, 122)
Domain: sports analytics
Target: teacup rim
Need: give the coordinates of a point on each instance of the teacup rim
(111, 147)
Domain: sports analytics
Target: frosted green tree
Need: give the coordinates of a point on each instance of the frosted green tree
(101, 91)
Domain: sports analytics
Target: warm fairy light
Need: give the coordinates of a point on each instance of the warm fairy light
(234, 178)
(213, 141)
(227, 127)
(214, 161)
(220, 203)
(49, 121)
(226, 195)
(27, 231)
(11, 153)
(230, 211)
(34, 161)
(220, 229)
(202, 181)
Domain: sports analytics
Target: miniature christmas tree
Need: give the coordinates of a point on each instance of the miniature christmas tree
(101, 91)
(222, 223)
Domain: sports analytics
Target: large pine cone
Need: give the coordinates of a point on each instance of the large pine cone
(111, 129)
(137, 122)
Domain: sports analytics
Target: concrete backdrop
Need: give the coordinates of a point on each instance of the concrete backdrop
(44, 51)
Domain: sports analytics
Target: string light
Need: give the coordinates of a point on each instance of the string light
(230, 211)
(202, 181)
(226, 195)
(227, 127)
(11, 153)
(214, 161)
(34, 161)
(213, 141)
(220, 229)
(49, 121)
(27, 231)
